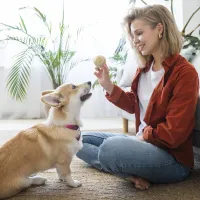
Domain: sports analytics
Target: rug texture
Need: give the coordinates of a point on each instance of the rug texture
(98, 185)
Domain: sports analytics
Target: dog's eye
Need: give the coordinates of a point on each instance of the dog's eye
(73, 87)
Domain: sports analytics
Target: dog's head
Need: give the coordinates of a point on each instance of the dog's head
(69, 97)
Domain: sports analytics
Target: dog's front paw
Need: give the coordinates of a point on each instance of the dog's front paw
(74, 184)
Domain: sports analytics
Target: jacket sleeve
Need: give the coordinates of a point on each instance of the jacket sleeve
(180, 116)
(123, 100)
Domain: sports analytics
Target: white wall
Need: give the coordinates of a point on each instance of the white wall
(189, 7)
(1, 88)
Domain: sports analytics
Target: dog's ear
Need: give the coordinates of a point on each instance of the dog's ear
(47, 92)
(52, 99)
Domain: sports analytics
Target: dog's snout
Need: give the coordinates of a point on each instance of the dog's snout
(89, 83)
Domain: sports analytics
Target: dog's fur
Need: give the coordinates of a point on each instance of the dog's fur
(47, 145)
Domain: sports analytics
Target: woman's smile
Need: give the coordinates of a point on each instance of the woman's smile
(140, 47)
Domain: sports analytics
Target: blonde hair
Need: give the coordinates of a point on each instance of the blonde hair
(171, 42)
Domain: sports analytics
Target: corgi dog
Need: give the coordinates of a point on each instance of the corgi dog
(51, 144)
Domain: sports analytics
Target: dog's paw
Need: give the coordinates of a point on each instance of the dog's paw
(37, 180)
(74, 184)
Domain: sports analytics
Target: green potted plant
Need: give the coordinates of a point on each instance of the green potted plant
(57, 61)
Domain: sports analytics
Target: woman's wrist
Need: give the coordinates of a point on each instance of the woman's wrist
(109, 88)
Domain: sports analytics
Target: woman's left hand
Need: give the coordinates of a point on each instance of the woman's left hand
(140, 137)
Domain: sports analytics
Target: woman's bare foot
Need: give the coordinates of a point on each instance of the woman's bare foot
(140, 183)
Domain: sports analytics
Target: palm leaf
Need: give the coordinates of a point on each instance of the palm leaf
(15, 28)
(22, 24)
(36, 44)
(41, 16)
(9, 27)
(23, 40)
(68, 55)
(19, 75)
(184, 28)
(62, 31)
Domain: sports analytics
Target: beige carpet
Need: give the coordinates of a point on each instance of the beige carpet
(97, 185)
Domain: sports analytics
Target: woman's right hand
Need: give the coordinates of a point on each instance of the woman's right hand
(102, 75)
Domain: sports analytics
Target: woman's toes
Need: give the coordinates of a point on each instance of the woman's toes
(142, 184)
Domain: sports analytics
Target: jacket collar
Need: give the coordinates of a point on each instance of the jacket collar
(170, 60)
(167, 63)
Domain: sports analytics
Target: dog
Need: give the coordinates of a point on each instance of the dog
(51, 144)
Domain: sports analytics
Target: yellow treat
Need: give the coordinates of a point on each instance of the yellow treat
(99, 61)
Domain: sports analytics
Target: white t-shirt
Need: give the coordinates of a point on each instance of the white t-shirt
(148, 81)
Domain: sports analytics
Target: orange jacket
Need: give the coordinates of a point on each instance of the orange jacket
(170, 115)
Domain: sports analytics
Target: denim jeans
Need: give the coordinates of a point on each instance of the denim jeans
(126, 156)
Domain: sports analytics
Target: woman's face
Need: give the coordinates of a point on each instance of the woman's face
(145, 38)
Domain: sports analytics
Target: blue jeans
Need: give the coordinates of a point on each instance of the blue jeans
(126, 156)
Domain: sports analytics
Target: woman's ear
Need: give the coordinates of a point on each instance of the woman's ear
(160, 28)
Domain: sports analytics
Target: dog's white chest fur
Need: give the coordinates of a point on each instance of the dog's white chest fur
(75, 146)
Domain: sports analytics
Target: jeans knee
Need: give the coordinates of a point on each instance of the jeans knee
(104, 155)
(86, 138)
(108, 154)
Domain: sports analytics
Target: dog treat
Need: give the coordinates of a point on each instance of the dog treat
(99, 61)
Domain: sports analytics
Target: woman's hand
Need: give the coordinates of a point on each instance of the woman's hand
(140, 137)
(102, 75)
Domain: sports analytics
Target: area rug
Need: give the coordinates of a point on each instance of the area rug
(98, 185)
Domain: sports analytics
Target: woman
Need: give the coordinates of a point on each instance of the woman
(163, 97)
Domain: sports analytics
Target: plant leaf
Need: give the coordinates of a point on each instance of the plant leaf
(19, 75)
(23, 24)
